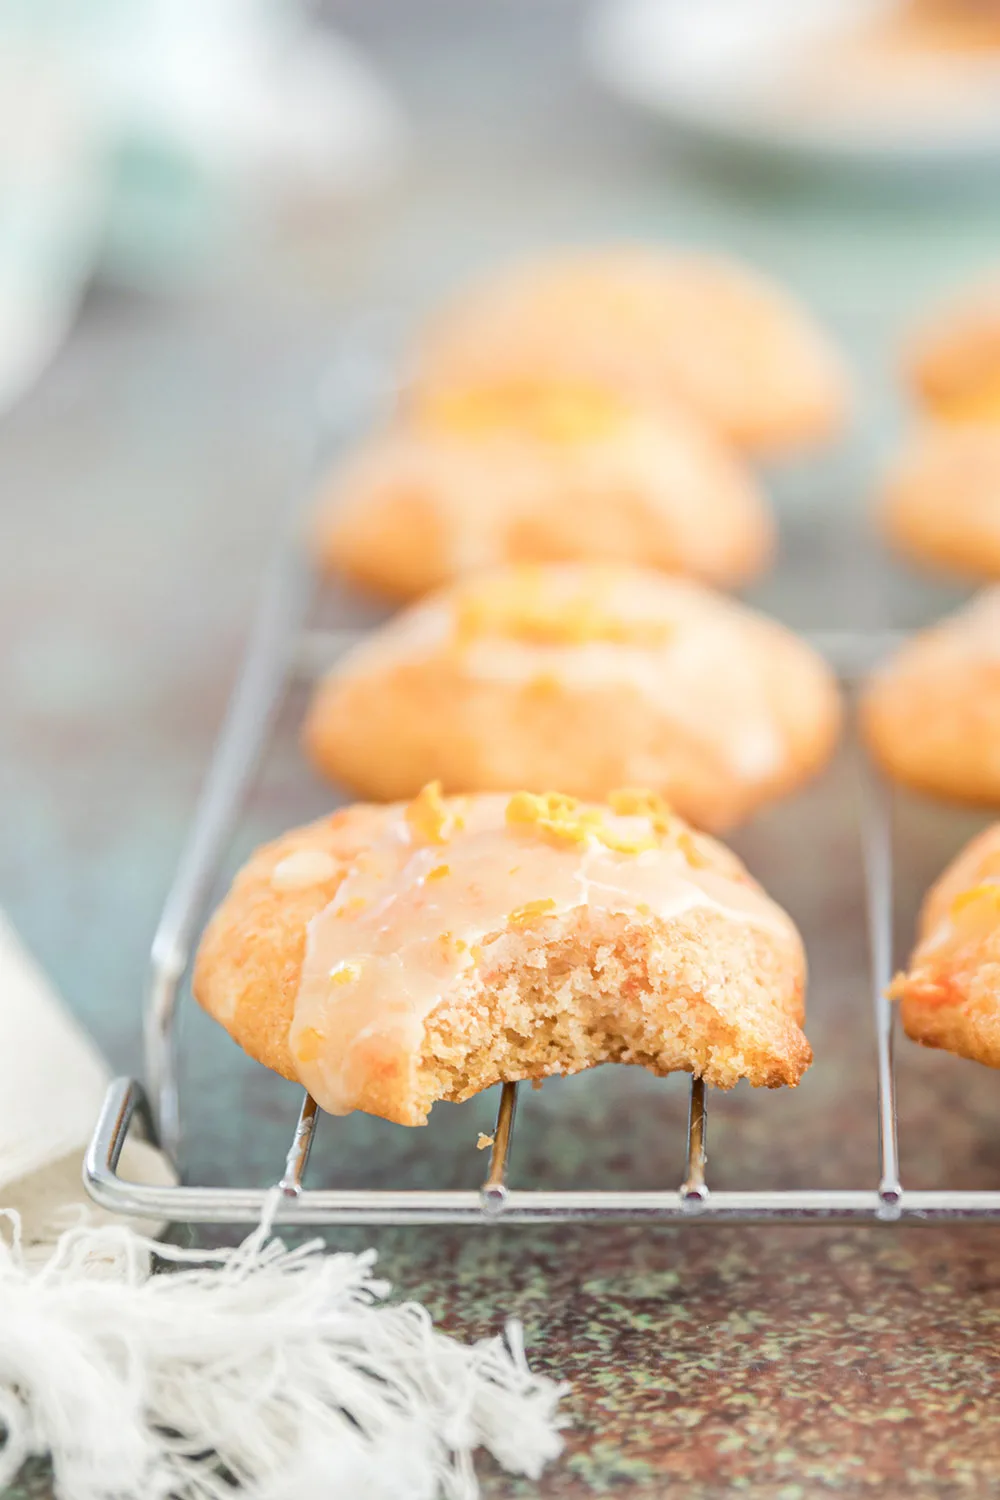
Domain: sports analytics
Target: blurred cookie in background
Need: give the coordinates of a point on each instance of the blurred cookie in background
(478, 475)
(907, 90)
(950, 994)
(588, 678)
(940, 501)
(931, 715)
(903, 68)
(661, 325)
(952, 362)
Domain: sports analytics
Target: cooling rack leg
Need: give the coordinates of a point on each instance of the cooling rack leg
(494, 1190)
(876, 833)
(694, 1190)
(124, 1100)
(298, 1157)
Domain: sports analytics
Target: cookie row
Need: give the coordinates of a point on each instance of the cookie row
(391, 956)
(940, 502)
(932, 716)
(600, 407)
(592, 406)
(569, 437)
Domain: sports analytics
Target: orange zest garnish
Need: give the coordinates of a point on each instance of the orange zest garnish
(429, 817)
(518, 605)
(352, 907)
(526, 914)
(639, 802)
(564, 820)
(977, 906)
(345, 973)
(453, 948)
(310, 1044)
(623, 843)
(560, 818)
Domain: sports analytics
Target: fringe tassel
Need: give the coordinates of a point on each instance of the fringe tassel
(282, 1370)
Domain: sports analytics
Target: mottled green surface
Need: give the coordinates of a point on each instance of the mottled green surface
(140, 488)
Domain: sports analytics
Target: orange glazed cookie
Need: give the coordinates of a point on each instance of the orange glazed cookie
(953, 361)
(581, 677)
(941, 502)
(663, 325)
(388, 957)
(535, 475)
(931, 715)
(950, 995)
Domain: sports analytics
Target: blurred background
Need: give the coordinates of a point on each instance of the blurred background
(196, 199)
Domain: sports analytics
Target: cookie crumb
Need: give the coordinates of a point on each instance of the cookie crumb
(484, 1142)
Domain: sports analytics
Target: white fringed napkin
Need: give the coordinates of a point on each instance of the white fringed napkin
(284, 1370)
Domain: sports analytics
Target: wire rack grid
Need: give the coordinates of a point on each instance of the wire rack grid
(281, 651)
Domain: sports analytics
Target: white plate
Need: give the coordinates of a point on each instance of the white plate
(725, 71)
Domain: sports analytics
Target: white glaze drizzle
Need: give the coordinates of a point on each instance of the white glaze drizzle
(396, 938)
(304, 868)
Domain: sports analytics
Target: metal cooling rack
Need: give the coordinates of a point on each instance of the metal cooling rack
(280, 652)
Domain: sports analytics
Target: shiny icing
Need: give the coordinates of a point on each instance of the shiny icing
(306, 867)
(444, 883)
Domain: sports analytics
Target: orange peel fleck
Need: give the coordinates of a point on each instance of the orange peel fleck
(517, 605)
(640, 802)
(429, 817)
(345, 973)
(352, 907)
(554, 815)
(524, 915)
(309, 1045)
(977, 907)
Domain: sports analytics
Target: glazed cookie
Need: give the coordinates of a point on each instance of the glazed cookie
(581, 677)
(389, 957)
(660, 324)
(950, 995)
(535, 475)
(953, 361)
(931, 716)
(941, 501)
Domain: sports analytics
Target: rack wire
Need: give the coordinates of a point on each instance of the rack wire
(280, 651)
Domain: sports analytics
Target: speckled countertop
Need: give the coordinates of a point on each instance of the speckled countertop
(139, 494)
